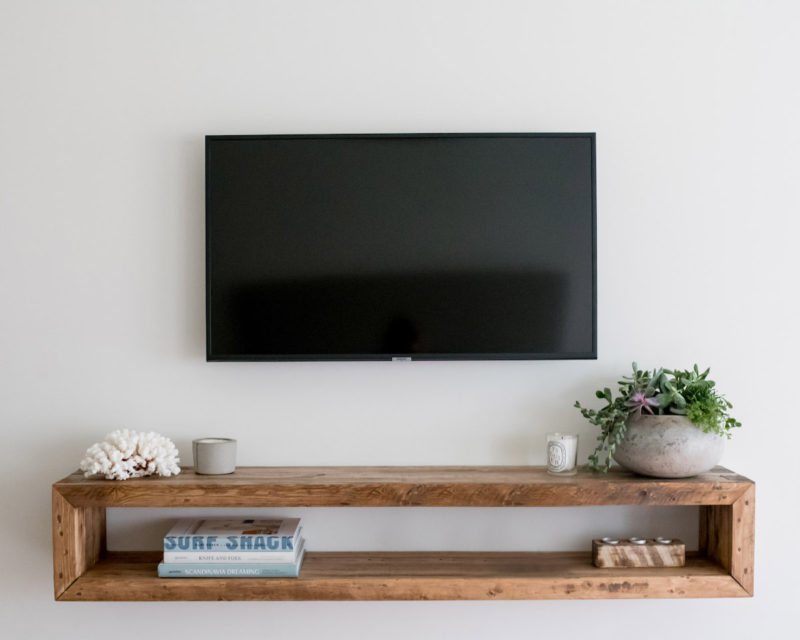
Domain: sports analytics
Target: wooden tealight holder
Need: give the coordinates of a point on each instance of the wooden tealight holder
(650, 553)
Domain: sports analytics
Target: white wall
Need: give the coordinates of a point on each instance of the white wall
(103, 108)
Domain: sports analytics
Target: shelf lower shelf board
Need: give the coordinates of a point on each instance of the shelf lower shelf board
(131, 576)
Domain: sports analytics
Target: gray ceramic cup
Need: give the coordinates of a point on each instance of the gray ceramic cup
(214, 456)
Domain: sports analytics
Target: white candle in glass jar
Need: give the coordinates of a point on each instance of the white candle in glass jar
(562, 454)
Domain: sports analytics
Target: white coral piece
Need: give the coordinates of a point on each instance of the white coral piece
(131, 454)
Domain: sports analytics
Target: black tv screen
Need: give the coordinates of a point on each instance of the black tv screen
(429, 246)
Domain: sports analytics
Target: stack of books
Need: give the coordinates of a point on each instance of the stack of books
(233, 548)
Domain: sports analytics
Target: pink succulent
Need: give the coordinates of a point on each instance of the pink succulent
(639, 401)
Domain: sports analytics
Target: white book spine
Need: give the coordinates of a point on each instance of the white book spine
(250, 557)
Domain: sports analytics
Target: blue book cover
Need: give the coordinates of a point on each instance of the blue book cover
(231, 570)
(234, 535)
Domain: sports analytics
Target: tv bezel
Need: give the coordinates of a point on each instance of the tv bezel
(384, 357)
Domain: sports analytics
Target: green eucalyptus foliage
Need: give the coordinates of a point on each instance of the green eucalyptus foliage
(664, 391)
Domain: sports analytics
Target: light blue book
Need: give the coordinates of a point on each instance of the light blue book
(233, 557)
(235, 536)
(232, 570)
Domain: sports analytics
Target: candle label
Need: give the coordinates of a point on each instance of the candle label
(556, 456)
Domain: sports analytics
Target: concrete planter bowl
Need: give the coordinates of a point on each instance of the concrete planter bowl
(668, 447)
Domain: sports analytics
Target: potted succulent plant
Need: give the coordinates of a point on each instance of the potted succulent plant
(665, 423)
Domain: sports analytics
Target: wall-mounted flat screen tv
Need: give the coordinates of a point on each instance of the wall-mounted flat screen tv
(397, 246)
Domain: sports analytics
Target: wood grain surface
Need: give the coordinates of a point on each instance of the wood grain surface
(630, 555)
(727, 535)
(724, 567)
(402, 486)
(78, 540)
(412, 576)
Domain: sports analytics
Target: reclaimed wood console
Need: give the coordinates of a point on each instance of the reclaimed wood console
(722, 567)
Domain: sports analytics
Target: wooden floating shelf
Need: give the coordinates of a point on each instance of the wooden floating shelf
(723, 567)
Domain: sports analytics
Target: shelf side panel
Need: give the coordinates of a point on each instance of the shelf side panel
(715, 534)
(743, 546)
(78, 540)
(727, 536)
